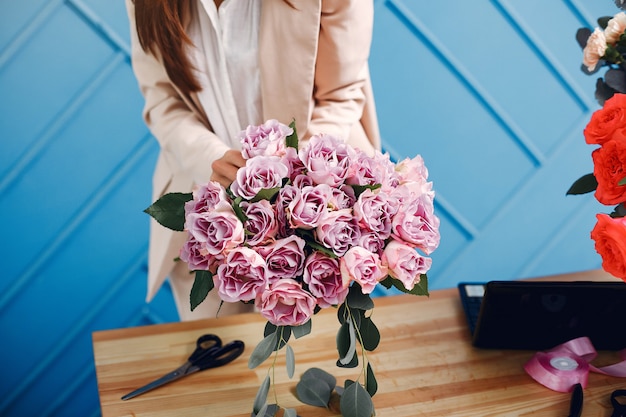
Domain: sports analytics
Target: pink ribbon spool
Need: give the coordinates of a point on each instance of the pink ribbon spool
(568, 364)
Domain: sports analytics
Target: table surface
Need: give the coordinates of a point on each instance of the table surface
(424, 365)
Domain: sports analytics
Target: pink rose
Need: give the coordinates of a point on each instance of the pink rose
(285, 196)
(264, 140)
(338, 231)
(363, 267)
(415, 222)
(219, 231)
(323, 277)
(261, 225)
(594, 50)
(292, 160)
(208, 197)
(342, 198)
(196, 257)
(260, 172)
(366, 170)
(285, 303)
(405, 263)
(374, 211)
(308, 206)
(327, 159)
(413, 170)
(371, 241)
(284, 257)
(242, 276)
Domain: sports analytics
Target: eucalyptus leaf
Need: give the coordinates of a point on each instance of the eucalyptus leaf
(314, 392)
(356, 298)
(169, 210)
(356, 402)
(585, 184)
(291, 361)
(371, 384)
(283, 334)
(261, 395)
(370, 336)
(616, 78)
(352, 364)
(262, 351)
(302, 330)
(268, 410)
(202, 285)
(321, 375)
(346, 342)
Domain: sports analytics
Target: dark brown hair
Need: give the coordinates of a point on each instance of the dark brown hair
(160, 30)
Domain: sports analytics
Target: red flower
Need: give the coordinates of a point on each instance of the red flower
(610, 237)
(610, 168)
(605, 121)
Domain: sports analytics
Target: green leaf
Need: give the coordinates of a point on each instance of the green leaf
(356, 402)
(261, 395)
(169, 210)
(369, 334)
(585, 184)
(371, 384)
(314, 391)
(356, 298)
(262, 351)
(421, 288)
(387, 282)
(622, 181)
(202, 285)
(268, 410)
(346, 342)
(283, 334)
(292, 140)
(321, 375)
(360, 189)
(290, 361)
(302, 330)
(238, 210)
(265, 194)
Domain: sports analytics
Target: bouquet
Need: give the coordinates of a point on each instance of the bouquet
(607, 130)
(304, 229)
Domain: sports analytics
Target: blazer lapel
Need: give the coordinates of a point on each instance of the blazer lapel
(287, 53)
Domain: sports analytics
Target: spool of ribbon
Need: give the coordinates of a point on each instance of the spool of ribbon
(566, 365)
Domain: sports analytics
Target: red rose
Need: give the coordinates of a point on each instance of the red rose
(606, 120)
(610, 237)
(609, 167)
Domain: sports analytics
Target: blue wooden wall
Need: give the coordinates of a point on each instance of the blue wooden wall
(489, 92)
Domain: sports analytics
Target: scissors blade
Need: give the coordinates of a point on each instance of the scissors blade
(184, 370)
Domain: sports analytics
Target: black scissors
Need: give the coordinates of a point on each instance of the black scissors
(209, 353)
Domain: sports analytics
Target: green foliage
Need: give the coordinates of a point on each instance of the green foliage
(263, 350)
(261, 395)
(290, 360)
(356, 402)
(169, 210)
(202, 285)
(583, 185)
(292, 140)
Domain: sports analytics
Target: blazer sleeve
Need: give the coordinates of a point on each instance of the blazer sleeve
(341, 70)
(187, 144)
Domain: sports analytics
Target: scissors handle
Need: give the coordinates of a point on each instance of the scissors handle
(205, 345)
(217, 355)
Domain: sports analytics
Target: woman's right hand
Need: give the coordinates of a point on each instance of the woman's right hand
(225, 168)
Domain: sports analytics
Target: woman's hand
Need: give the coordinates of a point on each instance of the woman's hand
(225, 168)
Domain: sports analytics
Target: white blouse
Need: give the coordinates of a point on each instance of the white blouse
(226, 61)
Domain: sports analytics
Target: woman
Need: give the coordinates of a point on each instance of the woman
(209, 68)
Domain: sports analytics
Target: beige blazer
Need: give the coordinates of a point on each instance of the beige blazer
(313, 62)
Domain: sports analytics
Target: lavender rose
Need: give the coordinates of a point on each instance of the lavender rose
(218, 231)
(322, 275)
(338, 231)
(266, 139)
(405, 263)
(285, 303)
(308, 205)
(327, 159)
(415, 222)
(208, 197)
(261, 225)
(374, 212)
(284, 257)
(260, 172)
(242, 276)
(363, 267)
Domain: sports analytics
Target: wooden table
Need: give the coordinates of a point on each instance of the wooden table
(425, 366)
